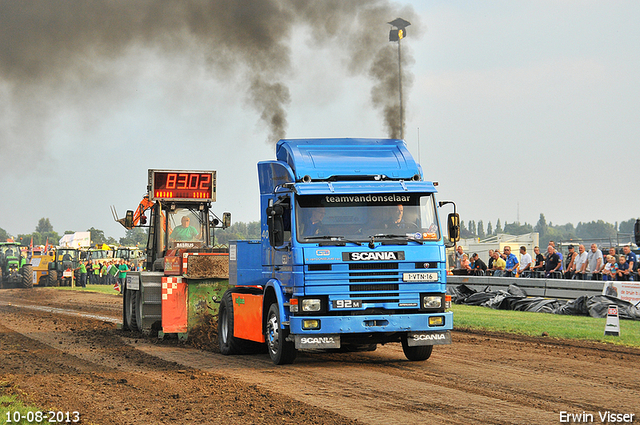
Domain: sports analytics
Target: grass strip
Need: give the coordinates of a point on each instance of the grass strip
(105, 289)
(539, 324)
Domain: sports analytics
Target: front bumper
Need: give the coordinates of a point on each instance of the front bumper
(359, 324)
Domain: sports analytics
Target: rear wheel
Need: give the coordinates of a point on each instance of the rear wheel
(27, 276)
(416, 353)
(137, 316)
(130, 310)
(281, 351)
(52, 278)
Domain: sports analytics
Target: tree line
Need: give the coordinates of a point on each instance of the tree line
(44, 232)
(548, 231)
(240, 230)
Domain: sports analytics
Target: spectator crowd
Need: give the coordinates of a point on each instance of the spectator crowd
(580, 264)
(97, 272)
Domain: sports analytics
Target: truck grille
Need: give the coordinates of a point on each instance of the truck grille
(375, 283)
(373, 266)
(370, 288)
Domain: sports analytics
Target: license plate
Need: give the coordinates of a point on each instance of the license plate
(347, 303)
(419, 277)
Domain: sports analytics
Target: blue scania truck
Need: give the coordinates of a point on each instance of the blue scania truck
(351, 255)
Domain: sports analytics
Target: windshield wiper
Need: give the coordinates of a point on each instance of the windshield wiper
(392, 236)
(331, 238)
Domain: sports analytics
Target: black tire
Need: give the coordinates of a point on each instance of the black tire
(280, 350)
(27, 276)
(130, 310)
(1, 282)
(52, 278)
(228, 343)
(416, 353)
(137, 315)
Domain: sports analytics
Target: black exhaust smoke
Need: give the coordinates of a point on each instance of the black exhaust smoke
(45, 44)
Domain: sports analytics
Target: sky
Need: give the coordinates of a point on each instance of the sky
(514, 108)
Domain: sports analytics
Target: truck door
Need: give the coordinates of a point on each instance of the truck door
(279, 225)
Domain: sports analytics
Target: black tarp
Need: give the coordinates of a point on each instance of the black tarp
(515, 298)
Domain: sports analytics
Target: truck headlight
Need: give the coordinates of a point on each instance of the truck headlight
(431, 301)
(311, 304)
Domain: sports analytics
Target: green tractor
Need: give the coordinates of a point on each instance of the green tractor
(15, 272)
(61, 269)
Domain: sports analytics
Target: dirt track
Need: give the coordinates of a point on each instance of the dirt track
(77, 363)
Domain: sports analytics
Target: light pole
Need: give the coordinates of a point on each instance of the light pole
(397, 34)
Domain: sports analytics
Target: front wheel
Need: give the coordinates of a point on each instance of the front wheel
(281, 351)
(27, 276)
(416, 353)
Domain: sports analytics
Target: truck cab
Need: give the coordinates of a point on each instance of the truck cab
(351, 253)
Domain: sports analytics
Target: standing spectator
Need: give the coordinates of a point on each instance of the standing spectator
(465, 264)
(511, 262)
(479, 267)
(103, 273)
(539, 265)
(490, 261)
(122, 274)
(610, 269)
(570, 263)
(551, 261)
(580, 263)
(458, 257)
(553, 244)
(95, 269)
(82, 274)
(525, 260)
(498, 265)
(623, 269)
(631, 260)
(112, 273)
(594, 262)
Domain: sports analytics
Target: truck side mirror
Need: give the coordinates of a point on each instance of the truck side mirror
(226, 220)
(453, 224)
(275, 223)
(128, 220)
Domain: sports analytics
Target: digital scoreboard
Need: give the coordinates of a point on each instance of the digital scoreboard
(177, 185)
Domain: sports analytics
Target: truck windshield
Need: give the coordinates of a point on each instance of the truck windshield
(99, 254)
(67, 255)
(358, 217)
